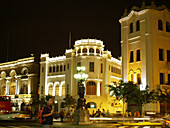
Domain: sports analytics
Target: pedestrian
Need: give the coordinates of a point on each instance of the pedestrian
(93, 114)
(104, 113)
(107, 113)
(61, 115)
(48, 114)
(126, 113)
(71, 115)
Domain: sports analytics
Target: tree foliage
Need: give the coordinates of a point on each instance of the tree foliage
(70, 101)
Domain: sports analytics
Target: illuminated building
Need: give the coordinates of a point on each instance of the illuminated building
(57, 75)
(20, 79)
(145, 47)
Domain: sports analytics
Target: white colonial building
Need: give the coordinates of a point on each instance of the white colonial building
(57, 75)
(145, 45)
(20, 80)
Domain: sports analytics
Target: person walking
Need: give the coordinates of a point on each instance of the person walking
(62, 115)
(48, 114)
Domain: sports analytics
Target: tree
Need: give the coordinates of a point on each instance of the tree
(70, 102)
(123, 91)
(144, 97)
(163, 97)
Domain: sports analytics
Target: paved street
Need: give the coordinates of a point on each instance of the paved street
(6, 121)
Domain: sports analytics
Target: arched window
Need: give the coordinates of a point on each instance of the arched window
(84, 50)
(4, 90)
(138, 25)
(91, 50)
(91, 105)
(57, 90)
(24, 88)
(168, 26)
(139, 78)
(79, 50)
(131, 27)
(63, 90)
(160, 25)
(91, 88)
(12, 89)
(50, 90)
(97, 51)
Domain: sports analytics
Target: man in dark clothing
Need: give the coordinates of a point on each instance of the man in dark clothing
(48, 114)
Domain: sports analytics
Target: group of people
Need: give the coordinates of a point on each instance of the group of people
(98, 113)
(63, 114)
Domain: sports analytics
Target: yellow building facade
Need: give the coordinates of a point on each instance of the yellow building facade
(145, 47)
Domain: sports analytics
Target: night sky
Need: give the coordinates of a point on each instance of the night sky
(42, 26)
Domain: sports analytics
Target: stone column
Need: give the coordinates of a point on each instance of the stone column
(18, 84)
(7, 85)
(98, 88)
(60, 89)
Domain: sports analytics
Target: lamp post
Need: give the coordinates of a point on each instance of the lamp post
(81, 115)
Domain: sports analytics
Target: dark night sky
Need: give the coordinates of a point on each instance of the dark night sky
(43, 26)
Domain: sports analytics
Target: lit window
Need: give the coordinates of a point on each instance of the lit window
(50, 90)
(139, 78)
(91, 88)
(57, 90)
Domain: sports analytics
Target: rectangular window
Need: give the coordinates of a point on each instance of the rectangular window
(109, 67)
(131, 56)
(67, 66)
(161, 58)
(168, 55)
(101, 68)
(112, 69)
(138, 55)
(168, 79)
(57, 69)
(78, 64)
(64, 67)
(161, 78)
(61, 68)
(53, 68)
(50, 69)
(91, 66)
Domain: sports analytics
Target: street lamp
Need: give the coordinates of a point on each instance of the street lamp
(81, 115)
(81, 77)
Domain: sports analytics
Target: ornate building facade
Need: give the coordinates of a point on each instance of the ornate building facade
(20, 80)
(145, 45)
(57, 75)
